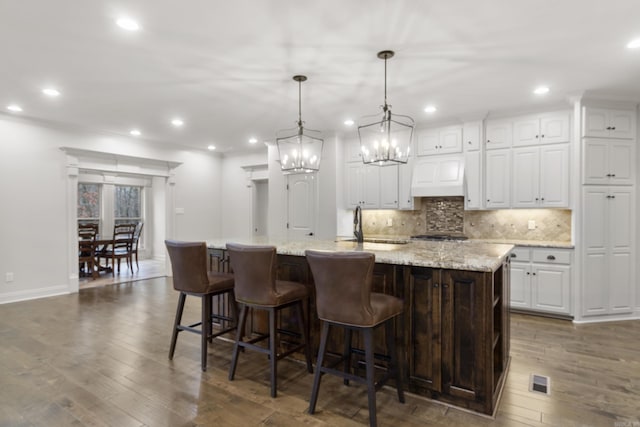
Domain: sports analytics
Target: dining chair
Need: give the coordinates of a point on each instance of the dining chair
(87, 253)
(120, 247)
(135, 243)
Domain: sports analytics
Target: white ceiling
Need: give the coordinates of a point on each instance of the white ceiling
(226, 67)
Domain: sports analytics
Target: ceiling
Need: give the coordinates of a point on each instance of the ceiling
(226, 67)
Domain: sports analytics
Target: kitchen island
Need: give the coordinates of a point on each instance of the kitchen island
(454, 334)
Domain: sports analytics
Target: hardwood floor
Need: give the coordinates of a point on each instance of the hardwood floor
(99, 358)
(149, 269)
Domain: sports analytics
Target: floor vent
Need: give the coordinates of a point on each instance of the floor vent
(540, 384)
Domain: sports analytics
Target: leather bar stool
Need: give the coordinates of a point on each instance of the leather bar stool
(344, 299)
(254, 269)
(190, 277)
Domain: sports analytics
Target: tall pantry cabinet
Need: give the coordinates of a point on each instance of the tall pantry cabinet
(608, 212)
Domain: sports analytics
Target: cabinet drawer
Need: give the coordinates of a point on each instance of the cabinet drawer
(521, 254)
(551, 256)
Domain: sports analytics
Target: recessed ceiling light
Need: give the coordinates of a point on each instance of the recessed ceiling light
(430, 109)
(135, 132)
(15, 108)
(633, 44)
(211, 147)
(52, 92)
(128, 24)
(253, 140)
(349, 122)
(177, 122)
(541, 90)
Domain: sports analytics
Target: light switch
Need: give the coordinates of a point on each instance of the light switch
(532, 224)
(389, 222)
(179, 211)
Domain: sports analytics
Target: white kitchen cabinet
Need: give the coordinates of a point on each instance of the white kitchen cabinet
(471, 136)
(445, 140)
(609, 252)
(371, 187)
(352, 151)
(498, 134)
(551, 128)
(540, 177)
(541, 280)
(405, 175)
(473, 179)
(608, 161)
(608, 123)
(498, 178)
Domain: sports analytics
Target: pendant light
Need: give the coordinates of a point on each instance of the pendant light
(300, 149)
(385, 139)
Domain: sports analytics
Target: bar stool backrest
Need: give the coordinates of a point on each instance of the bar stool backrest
(254, 269)
(189, 265)
(343, 285)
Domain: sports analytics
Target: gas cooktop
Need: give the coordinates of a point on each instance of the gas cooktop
(440, 236)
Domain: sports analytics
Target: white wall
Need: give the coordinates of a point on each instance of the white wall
(34, 224)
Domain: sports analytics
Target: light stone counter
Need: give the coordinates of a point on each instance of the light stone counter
(531, 243)
(454, 255)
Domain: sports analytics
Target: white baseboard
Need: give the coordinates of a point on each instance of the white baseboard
(30, 294)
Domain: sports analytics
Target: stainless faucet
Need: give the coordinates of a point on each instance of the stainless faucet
(357, 224)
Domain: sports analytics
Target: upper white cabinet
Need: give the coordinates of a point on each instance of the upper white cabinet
(405, 175)
(389, 186)
(471, 136)
(498, 134)
(352, 151)
(372, 187)
(498, 178)
(444, 140)
(608, 161)
(608, 123)
(540, 177)
(473, 179)
(549, 128)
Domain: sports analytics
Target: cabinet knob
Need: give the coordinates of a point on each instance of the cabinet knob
(514, 255)
(488, 200)
(608, 174)
(488, 140)
(536, 136)
(533, 274)
(613, 174)
(468, 142)
(608, 127)
(551, 257)
(542, 199)
(613, 128)
(543, 135)
(445, 285)
(435, 285)
(528, 273)
(536, 199)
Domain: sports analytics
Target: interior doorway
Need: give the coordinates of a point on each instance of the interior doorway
(260, 207)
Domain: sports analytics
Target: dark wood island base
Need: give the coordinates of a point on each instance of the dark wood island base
(453, 336)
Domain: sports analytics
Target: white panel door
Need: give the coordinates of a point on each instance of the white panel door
(526, 169)
(551, 286)
(302, 206)
(620, 284)
(389, 187)
(498, 177)
(554, 129)
(595, 169)
(622, 157)
(473, 180)
(526, 132)
(595, 284)
(520, 285)
(554, 176)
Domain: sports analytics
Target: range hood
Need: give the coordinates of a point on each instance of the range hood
(438, 176)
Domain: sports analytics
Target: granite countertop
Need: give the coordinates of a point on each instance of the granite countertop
(455, 255)
(532, 243)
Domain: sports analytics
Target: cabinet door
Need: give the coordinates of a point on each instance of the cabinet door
(353, 152)
(405, 174)
(554, 128)
(371, 186)
(473, 180)
(622, 159)
(450, 140)
(554, 176)
(620, 282)
(498, 135)
(520, 285)
(622, 123)
(428, 142)
(621, 219)
(471, 136)
(551, 288)
(595, 169)
(389, 187)
(498, 176)
(596, 208)
(354, 184)
(526, 170)
(596, 122)
(526, 132)
(595, 292)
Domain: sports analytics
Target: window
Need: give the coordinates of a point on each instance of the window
(89, 203)
(128, 204)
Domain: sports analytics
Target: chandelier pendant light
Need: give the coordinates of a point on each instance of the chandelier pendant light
(385, 139)
(300, 149)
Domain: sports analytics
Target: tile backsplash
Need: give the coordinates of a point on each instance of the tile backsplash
(447, 214)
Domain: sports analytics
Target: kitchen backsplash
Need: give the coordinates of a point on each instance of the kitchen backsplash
(447, 214)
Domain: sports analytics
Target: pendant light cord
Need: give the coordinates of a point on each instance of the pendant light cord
(300, 103)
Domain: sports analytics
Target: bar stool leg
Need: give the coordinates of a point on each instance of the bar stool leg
(394, 363)
(371, 386)
(205, 328)
(176, 322)
(239, 335)
(348, 333)
(302, 323)
(273, 350)
(318, 375)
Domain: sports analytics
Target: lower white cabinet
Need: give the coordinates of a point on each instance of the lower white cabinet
(541, 280)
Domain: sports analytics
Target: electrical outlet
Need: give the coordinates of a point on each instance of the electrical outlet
(531, 225)
(389, 222)
(8, 277)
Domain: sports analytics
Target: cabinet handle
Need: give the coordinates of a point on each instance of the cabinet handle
(613, 128)
(543, 135)
(514, 256)
(613, 197)
(435, 285)
(528, 273)
(536, 199)
(542, 199)
(608, 174)
(536, 136)
(469, 142)
(533, 274)
(445, 285)
(551, 257)
(488, 200)
(613, 174)
(608, 127)
(488, 140)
